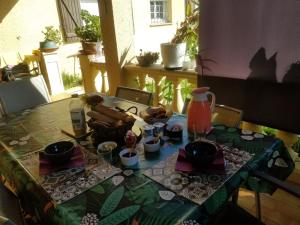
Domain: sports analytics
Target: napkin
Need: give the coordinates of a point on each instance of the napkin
(216, 167)
(46, 166)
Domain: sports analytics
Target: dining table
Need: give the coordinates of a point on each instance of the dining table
(151, 192)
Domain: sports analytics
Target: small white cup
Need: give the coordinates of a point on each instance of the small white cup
(159, 129)
(148, 130)
(151, 147)
(126, 160)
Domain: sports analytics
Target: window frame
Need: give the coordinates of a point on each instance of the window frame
(167, 17)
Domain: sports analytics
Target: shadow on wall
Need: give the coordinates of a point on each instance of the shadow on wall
(265, 69)
(5, 7)
(263, 100)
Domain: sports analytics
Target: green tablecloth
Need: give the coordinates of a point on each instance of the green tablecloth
(126, 198)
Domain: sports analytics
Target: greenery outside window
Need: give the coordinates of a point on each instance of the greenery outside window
(159, 11)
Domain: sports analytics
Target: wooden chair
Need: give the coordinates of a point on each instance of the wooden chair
(23, 93)
(232, 214)
(134, 95)
(226, 115)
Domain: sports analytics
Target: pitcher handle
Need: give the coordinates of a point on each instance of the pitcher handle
(213, 101)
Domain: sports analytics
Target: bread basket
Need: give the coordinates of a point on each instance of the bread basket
(108, 124)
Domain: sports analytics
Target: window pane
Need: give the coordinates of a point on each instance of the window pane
(158, 10)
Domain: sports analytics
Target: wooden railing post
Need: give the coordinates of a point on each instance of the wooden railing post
(142, 80)
(89, 73)
(175, 97)
(157, 72)
(104, 79)
(179, 98)
(156, 99)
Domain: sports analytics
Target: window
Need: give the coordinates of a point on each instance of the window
(91, 6)
(69, 12)
(159, 11)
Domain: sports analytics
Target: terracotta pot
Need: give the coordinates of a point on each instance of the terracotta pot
(89, 48)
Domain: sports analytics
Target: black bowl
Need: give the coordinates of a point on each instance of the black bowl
(59, 152)
(201, 152)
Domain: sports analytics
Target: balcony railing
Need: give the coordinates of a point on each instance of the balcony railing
(136, 76)
(94, 75)
(95, 79)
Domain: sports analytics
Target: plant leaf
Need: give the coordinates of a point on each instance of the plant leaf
(210, 60)
(145, 195)
(98, 189)
(112, 201)
(120, 215)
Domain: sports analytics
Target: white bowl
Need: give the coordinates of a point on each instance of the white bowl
(100, 146)
(151, 147)
(128, 161)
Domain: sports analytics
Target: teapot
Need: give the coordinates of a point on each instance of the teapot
(199, 111)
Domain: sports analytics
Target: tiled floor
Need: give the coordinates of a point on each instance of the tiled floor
(279, 209)
(67, 93)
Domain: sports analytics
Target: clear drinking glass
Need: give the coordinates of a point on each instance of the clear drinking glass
(105, 155)
(105, 150)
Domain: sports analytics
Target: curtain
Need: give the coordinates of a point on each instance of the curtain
(251, 38)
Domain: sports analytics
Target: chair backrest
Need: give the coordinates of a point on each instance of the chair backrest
(226, 115)
(134, 95)
(23, 93)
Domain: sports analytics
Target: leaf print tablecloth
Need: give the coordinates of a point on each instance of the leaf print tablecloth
(128, 197)
(133, 201)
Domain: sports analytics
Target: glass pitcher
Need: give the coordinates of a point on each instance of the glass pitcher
(199, 112)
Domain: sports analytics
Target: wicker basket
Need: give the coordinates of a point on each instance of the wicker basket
(103, 133)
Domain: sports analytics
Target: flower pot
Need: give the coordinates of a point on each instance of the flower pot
(173, 55)
(127, 159)
(143, 62)
(48, 46)
(91, 48)
(189, 64)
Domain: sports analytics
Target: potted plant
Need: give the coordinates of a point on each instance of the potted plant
(185, 40)
(147, 58)
(52, 38)
(90, 32)
(201, 63)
